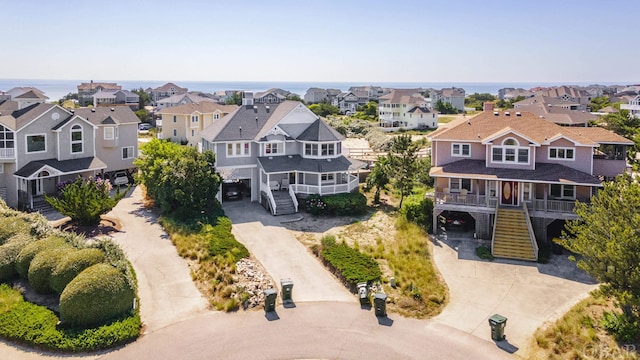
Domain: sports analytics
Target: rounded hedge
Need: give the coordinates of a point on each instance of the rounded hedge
(8, 254)
(43, 265)
(31, 250)
(72, 264)
(97, 294)
(11, 225)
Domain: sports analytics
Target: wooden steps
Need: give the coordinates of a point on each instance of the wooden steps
(511, 237)
(284, 203)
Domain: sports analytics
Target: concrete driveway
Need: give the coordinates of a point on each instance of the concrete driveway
(282, 255)
(528, 294)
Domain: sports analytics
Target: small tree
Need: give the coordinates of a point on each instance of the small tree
(84, 200)
(403, 160)
(607, 236)
(379, 177)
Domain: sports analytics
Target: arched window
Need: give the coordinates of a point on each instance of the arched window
(510, 142)
(77, 144)
(510, 151)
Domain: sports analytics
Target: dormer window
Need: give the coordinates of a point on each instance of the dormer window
(510, 151)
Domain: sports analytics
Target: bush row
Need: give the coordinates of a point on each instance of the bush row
(349, 264)
(337, 205)
(222, 242)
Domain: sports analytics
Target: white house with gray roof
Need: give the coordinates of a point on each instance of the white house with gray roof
(282, 152)
(44, 144)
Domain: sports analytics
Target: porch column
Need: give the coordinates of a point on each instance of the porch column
(319, 184)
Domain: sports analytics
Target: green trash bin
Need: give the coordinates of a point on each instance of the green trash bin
(287, 286)
(380, 302)
(270, 296)
(497, 323)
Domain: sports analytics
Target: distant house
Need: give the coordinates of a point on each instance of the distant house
(116, 98)
(87, 90)
(569, 94)
(549, 101)
(558, 115)
(43, 144)
(405, 109)
(164, 91)
(454, 96)
(515, 177)
(316, 95)
(181, 99)
(271, 96)
(516, 93)
(281, 152)
(347, 102)
(29, 97)
(183, 123)
(373, 92)
(633, 106)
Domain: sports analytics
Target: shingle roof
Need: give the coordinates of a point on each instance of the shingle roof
(320, 131)
(32, 94)
(544, 173)
(28, 114)
(242, 124)
(276, 164)
(403, 96)
(174, 99)
(204, 107)
(93, 85)
(600, 135)
(559, 115)
(166, 87)
(100, 115)
(67, 166)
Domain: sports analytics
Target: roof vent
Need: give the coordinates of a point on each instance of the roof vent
(506, 113)
(518, 113)
(93, 109)
(113, 109)
(495, 113)
(72, 111)
(328, 160)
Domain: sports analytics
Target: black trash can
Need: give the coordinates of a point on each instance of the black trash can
(287, 287)
(270, 296)
(363, 294)
(380, 302)
(497, 323)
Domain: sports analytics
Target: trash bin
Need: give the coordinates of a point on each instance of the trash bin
(270, 296)
(497, 323)
(392, 282)
(363, 294)
(380, 302)
(287, 286)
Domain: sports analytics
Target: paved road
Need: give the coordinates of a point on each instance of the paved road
(282, 255)
(310, 331)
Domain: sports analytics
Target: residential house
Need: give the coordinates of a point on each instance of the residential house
(517, 176)
(633, 106)
(516, 93)
(549, 101)
(316, 95)
(181, 99)
(454, 96)
(44, 144)
(373, 92)
(183, 123)
(347, 102)
(281, 152)
(164, 91)
(405, 109)
(112, 98)
(29, 97)
(271, 96)
(569, 94)
(87, 90)
(558, 114)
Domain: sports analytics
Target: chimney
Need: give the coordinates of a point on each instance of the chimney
(487, 106)
(247, 98)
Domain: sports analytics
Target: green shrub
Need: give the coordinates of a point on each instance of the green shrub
(98, 294)
(8, 254)
(352, 265)
(621, 326)
(222, 242)
(72, 264)
(31, 250)
(484, 252)
(418, 210)
(337, 205)
(13, 224)
(42, 267)
(36, 325)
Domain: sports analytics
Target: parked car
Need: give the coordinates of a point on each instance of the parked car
(459, 220)
(232, 190)
(120, 178)
(144, 126)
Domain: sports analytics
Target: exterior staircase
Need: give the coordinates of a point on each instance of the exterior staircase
(284, 203)
(511, 237)
(41, 206)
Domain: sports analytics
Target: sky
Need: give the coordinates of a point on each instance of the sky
(324, 41)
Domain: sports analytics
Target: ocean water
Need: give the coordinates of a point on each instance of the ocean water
(56, 89)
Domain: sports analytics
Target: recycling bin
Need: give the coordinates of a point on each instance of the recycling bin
(497, 323)
(363, 294)
(270, 296)
(380, 303)
(287, 287)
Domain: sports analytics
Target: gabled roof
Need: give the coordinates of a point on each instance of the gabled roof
(105, 115)
(487, 124)
(205, 107)
(320, 131)
(30, 113)
(403, 96)
(63, 167)
(600, 135)
(174, 99)
(166, 87)
(95, 85)
(32, 94)
(546, 100)
(559, 115)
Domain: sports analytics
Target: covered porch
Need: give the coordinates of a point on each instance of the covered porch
(38, 178)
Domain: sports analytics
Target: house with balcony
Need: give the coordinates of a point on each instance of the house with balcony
(517, 176)
(281, 153)
(44, 144)
(271, 96)
(181, 99)
(112, 98)
(87, 90)
(164, 91)
(453, 95)
(183, 123)
(633, 106)
(405, 109)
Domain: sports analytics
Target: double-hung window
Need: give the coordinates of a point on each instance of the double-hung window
(238, 149)
(563, 191)
(110, 133)
(311, 149)
(461, 150)
(271, 148)
(561, 153)
(457, 184)
(127, 152)
(76, 139)
(510, 151)
(194, 120)
(327, 149)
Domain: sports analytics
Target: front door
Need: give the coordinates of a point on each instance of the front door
(36, 187)
(509, 194)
